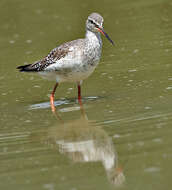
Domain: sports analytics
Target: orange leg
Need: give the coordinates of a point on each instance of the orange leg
(52, 98)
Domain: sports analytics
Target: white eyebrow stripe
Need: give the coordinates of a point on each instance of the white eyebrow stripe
(95, 23)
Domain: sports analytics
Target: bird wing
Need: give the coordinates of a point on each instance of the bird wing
(55, 55)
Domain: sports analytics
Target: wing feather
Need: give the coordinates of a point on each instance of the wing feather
(52, 57)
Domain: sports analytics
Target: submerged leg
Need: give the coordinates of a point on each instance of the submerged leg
(52, 98)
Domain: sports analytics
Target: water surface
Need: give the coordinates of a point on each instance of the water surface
(124, 138)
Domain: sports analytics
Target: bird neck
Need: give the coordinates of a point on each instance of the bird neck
(93, 39)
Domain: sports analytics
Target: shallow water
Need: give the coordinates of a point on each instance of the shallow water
(123, 138)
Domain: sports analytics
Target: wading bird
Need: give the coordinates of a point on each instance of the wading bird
(72, 61)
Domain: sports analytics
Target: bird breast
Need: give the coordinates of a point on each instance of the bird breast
(92, 49)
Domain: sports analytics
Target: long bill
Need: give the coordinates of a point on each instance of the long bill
(105, 34)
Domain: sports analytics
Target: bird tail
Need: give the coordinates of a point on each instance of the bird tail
(24, 68)
(35, 67)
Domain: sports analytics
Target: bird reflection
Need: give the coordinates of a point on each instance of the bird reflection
(82, 140)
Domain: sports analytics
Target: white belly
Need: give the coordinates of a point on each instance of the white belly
(74, 74)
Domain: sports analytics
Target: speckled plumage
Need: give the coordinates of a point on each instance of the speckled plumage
(72, 61)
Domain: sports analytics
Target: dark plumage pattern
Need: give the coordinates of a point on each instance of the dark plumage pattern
(52, 57)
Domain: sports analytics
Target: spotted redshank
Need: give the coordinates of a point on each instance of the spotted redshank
(72, 61)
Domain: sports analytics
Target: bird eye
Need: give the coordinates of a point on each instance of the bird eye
(91, 22)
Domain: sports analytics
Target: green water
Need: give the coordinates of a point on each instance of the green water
(123, 141)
